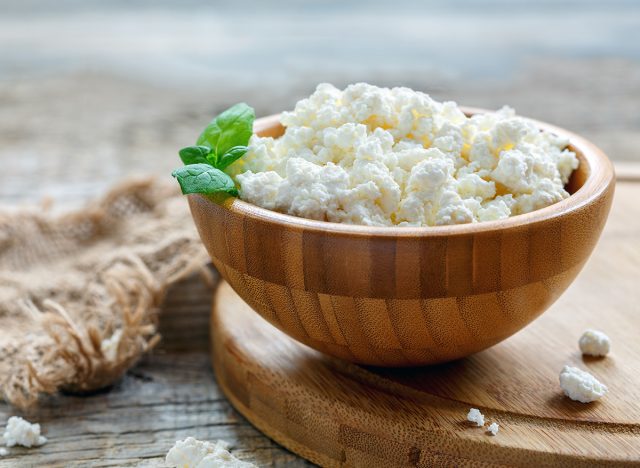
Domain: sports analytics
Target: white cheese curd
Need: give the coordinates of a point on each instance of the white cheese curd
(475, 416)
(594, 343)
(21, 432)
(493, 428)
(3, 452)
(581, 386)
(395, 157)
(193, 453)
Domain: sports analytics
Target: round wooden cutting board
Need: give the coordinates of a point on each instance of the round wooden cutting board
(339, 414)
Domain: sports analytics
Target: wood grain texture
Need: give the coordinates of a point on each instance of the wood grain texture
(340, 414)
(406, 296)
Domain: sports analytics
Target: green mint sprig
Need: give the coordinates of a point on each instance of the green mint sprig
(221, 143)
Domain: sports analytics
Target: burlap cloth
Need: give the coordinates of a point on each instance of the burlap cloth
(79, 293)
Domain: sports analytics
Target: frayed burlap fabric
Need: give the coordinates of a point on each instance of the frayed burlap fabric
(79, 293)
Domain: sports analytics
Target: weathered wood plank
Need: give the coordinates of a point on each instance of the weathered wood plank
(169, 395)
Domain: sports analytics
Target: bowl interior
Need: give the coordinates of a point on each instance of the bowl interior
(581, 174)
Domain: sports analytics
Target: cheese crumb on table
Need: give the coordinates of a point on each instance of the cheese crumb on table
(475, 416)
(3, 452)
(493, 428)
(594, 343)
(22, 432)
(193, 453)
(395, 157)
(581, 386)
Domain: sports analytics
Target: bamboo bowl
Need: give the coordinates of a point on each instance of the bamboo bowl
(406, 296)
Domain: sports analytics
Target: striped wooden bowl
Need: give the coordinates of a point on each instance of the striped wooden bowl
(406, 296)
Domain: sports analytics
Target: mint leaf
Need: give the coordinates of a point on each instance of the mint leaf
(203, 178)
(195, 154)
(212, 159)
(231, 156)
(232, 128)
(223, 141)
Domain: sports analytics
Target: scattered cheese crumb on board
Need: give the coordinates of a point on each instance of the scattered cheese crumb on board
(493, 428)
(476, 416)
(581, 386)
(21, 432)
(594, 343)
(193, 453)
(3, 452)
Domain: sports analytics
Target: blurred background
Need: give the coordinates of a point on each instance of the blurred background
(92, 91)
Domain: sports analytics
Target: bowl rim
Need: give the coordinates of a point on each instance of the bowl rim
(600, 177)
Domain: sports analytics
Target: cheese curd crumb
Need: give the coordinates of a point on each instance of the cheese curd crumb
(3, 452)
(193, 453)
(21, 432)
(594, 343)
(493, 428)
(395, 157)
(475, 416)
(581, 386)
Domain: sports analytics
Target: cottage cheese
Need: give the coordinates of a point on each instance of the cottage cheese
(594, 343)
(385, 157)
(22, 432)
(475, 416)
(192, 453)
(493, 428)
(580, 385)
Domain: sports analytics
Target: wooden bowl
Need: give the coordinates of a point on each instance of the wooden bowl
(406, 296)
